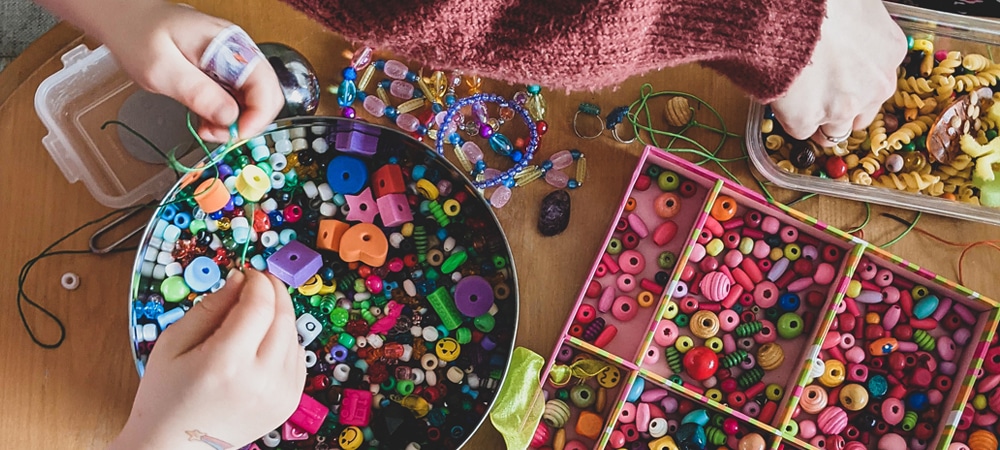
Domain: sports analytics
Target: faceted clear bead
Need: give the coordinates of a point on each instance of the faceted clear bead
(556, 178)
(500, 196)
(479, 112)
(439, 118)
(520, 97)
(561, 160)
(407, 122)
(506, 113)
(472, 152)
(374, 106)
(500, 144)
(346, 93)
(491, 173)
(401, 89)
(395, 69)
(362, 57)
(536, 107)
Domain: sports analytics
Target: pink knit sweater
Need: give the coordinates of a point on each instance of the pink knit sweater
(761, 45)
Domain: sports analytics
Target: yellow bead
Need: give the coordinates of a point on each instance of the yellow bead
(312, 286)
(704, 324)
(792, 252)
(451, 207)
(427, 189)
(746, 246)
(645, 299)
(776, 254)
(714, 247)
(919, 292)
(854, 397)
(253, 183)
(834, 373)
(714, 343)
(774, 392)
(407, 229)
(873, 318)
(447, 349)
(609, 377)
(979, 402)
(714, 394)
(766, 126)
(770, 356)
(671, 311)
(853, 288)
(684, 343)
(663, 443)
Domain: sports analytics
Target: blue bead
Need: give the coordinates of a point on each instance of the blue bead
(917, 401)
(500, 144)
(391, 112)
(454, 139)
(442, 234)
(449, 99)
(418, 172)
(349, 73)
(411, 77)
(768, 113)
(238, 201)
(575, 154)
(510, 183)
(417, 93)
(481, 165)
(436, 107)
(362, 95)
(276, 219)
(547, 165)
(168, 212)
(346, 93)
(516, 156)
(572, 184)
(201, 274)
(380, 64)
(421, 130)
(138, 309)
(153, 310)
(385, 84)
(534, 89)
(182, 220)
(789, 302)
(347, 175)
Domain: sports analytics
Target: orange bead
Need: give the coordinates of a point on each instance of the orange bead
(667, 205)
(589, 425)
(330, 233)
(630, 204)
(211, 195)
(724, 208)
(366, 243)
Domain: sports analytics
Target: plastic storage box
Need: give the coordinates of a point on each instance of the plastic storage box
(948, 32)
(76, 101)
(775, 310)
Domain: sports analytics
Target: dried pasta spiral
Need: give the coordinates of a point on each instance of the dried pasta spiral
(871, 163)
(907, 100)
(975, 62)
(915, 85)
(859, 176)
(908, 131)
(907, 181)
(877, 134)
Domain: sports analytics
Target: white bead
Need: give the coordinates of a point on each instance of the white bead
(278, 135)
(493, 310)
(410, 287)
(147, 269)
(412, 446)
(278, 161)
(299, 144)
(159, 272)
(149, 332)
(310, 358)
(329, 359)
(283, 146)
(70, 281)
(374, 340)
(417, 375)
(342, 372)
(325, 192)
(216, 242)
(230, 184)
(318, 129)
(272, 439)
(171, 233)
(164, 258)
(159, 227)
(269, 238)
(327, 209)
(217, 286)
(320, 145)
(395, 239)
(455, 375)
(449, 244)
(173, 269)
(155, 242)
(430, 378)
(308, 328)
(168, 247)
(416, 330)
(658, 427)
(473, 380)
(297, 132)
(430, 334)
(211, 225)
(309, 188)
(137, 334)
(198, 214)
(456, 276)
(269, 205)
(151, 254)
(429, 362)
(407, 353)
(277, 180)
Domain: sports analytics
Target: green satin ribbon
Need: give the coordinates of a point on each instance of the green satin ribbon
(519, 404)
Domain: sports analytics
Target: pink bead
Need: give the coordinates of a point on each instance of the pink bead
(855, 354)
(642, 417)
(768, 334)
(730, 426)
(987, 384)
(607, 299)
(665, 233)
(891, 441)
(728, 320)
(395, 69)
(697, 253)
(407, 122)
(800, 285)
(310, 414)
(893, 410)
(541, 436)
(733, 258)
(361, 58)
(832, 420)
(857, 373)
(761, 249)
(585, 314)
(670, 406)
(472, 152)
(374, 106)
(401, 89)
(807, 429)
(890, 295)
(883, 278)
(770, 225)
(715, 286)
(652, 355)
(765, 294)
(556, 179)
(616, 439)
(628, 413)
(500, 196)
(625, 308)
(637, 225)
(631, 262)
(788, 234)
(561, 160)
(653, 395)
(374, 284)
(626, 282)
(576, 445)
(855, 445)
(824, 274)
(666, 333)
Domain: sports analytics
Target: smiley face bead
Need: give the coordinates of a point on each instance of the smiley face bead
(609, 377)
(447, 349)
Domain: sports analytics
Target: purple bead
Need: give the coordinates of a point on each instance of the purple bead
(224, 171)
(565, 354)
(294, 263)
(485, 131)
(349, 112)
(488, 344)
(357, 143)
(473, 296)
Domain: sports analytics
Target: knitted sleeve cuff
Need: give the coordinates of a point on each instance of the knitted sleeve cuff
(773, 48)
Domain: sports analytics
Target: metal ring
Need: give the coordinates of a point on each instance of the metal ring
(576, 130)
(834, 139)
(614, 134)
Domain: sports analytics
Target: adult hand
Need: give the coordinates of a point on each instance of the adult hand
(230, 371)
(853, 71)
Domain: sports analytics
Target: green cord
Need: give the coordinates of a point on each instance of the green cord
(909, 228)
(868, 218)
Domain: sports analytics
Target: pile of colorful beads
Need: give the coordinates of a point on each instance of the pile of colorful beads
(936, 136)
(888, 365)
(400, 276)
(979, 425)
(580, 391)
(655, 418)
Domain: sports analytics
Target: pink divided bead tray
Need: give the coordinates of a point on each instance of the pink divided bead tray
(715, 319)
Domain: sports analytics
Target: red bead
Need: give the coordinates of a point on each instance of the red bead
(542, 127)
(643, 182)
(730, 426)
(701, 363)
(836, 167)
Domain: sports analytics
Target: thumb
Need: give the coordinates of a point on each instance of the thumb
(197, 91)
(202, 319)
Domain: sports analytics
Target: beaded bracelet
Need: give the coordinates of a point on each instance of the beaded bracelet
(473, 156)
(552, 169)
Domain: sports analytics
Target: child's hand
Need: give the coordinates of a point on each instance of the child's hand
(229, 372)
(853, 71)
(160, 46)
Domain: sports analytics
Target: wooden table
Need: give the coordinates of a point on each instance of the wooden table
(79, 395)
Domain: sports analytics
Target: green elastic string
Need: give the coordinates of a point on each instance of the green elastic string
(909, 228)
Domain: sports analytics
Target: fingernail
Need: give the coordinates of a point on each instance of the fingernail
(234, 274)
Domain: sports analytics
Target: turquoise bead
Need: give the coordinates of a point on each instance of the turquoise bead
(926, 306)
(500, 144)
(346, 93)
(636, 391)
(698, 416)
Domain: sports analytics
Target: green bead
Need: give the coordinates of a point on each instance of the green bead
(790, 326)
(714, 247)
(653, 171)
(615, 246)
(562, 394)
(266, 167)
(534, 89)
(682, 320)
(791, 428)
(746, 246)
(196, 226)
(676, 379)
(668, 181)
(909, 42)
(499, 262)
(339, 316)
(793, 252)
(431, 274)
(991, 134)
(359, 285)
(346, 340)
(980, 402)
(920, 142)
(291, 179)
(389, 384)
(666, 260)
(174, 289)
(463, 335)
(591, 109)
(242, 161)
(454, 261)
(229, 243)
(368, 316)
(774, 392)
(909, 421)
(315, 301)
(484, 323)
(582, 396)
(404, 387)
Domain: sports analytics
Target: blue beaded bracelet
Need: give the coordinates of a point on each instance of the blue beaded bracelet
(520, 161)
